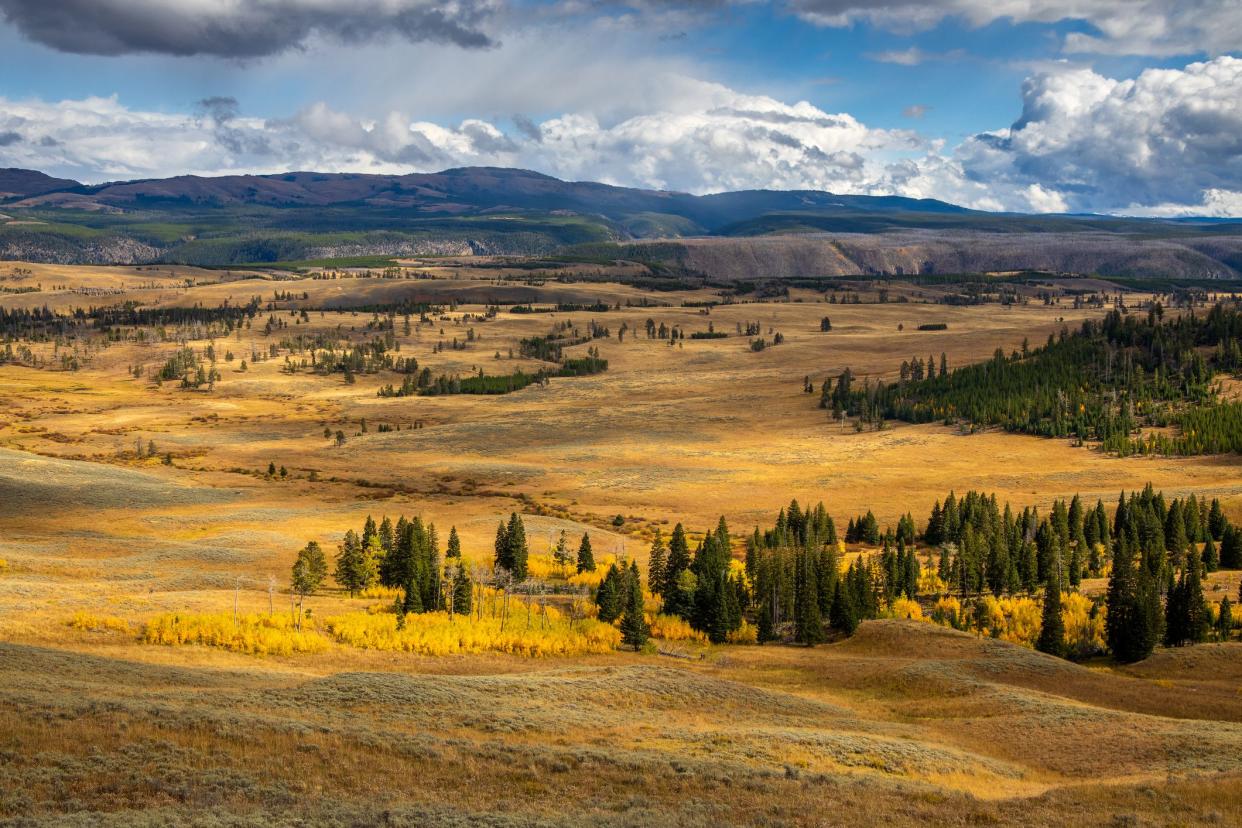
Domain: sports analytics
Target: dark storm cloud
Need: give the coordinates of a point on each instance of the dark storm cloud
(246, 29)
(528, 128)
(219, 108)
(8, 139)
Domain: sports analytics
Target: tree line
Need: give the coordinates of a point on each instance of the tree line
(1101, 382)
(791, 585)
(794, 588)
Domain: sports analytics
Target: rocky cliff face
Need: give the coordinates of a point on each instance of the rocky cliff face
(961, 252)
(114, 250)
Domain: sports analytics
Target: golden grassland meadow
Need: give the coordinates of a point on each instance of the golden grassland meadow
(159, 666)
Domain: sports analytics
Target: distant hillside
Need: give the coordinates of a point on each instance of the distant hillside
(466, 191)
(924, 252)
(239, 219)
(15, 183)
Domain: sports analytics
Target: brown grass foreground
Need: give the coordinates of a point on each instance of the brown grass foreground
(904, 724)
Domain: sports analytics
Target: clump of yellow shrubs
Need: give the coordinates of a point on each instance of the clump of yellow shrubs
(1017, 620)
(675, 628)
(254, 634)
(98, 623)
(517, 628)
(544, 632)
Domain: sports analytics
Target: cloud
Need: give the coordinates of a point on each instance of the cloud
(1134, 27)
(709, 138)
(913, 56)
(219, 108)
(915, 111)
(9, 138)
(1167, 142)
(1167, 137)
(908, 57)
(241, 28)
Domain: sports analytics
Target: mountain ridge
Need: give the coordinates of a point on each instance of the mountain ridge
(459, 190)
(735, 235)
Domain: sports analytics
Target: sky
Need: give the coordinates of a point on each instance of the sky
(1050, 106)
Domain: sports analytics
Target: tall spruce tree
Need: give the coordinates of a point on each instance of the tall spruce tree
(1187, 618)
(1231, 547)
(1216, 520)
(352, 571)
(634, 629)
(463, 592)
(1122, 603)
(611, 595)
(586, 558)
(844, 615)
(1224, 620)
(656, 561)
(808, 623)
(1052, 629)
(502, 547)
(387, 535)
(678, 560)
(516, 549)
(1211, 559)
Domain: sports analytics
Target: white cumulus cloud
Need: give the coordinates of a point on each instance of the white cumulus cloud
(1167, 142)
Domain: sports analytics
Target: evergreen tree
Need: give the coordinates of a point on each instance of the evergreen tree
(634, 629)
(1231, 547)
(1216, 520)
(610, 595)
(350, 572)
(369, 531)
(463, 591)
(1175, 534)
(869, 529)
(678, 561)
(1224, 620)
(454, 544)
(656, 564)
(727, 613)
(766, 626)
(1187, 618)
(412, 596)
(586, 558)
(397, 566)
(1052, 630)
(1028, 566)
(516, 549)
(808, 623)
(560, 553)
(844, 616)
(309, 571)
(1122, 604)
(1211, 560)
(387, 536)
(1149, 624)
(502, 547)
(910, 585)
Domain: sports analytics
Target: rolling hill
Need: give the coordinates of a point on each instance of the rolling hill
(229, 220)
